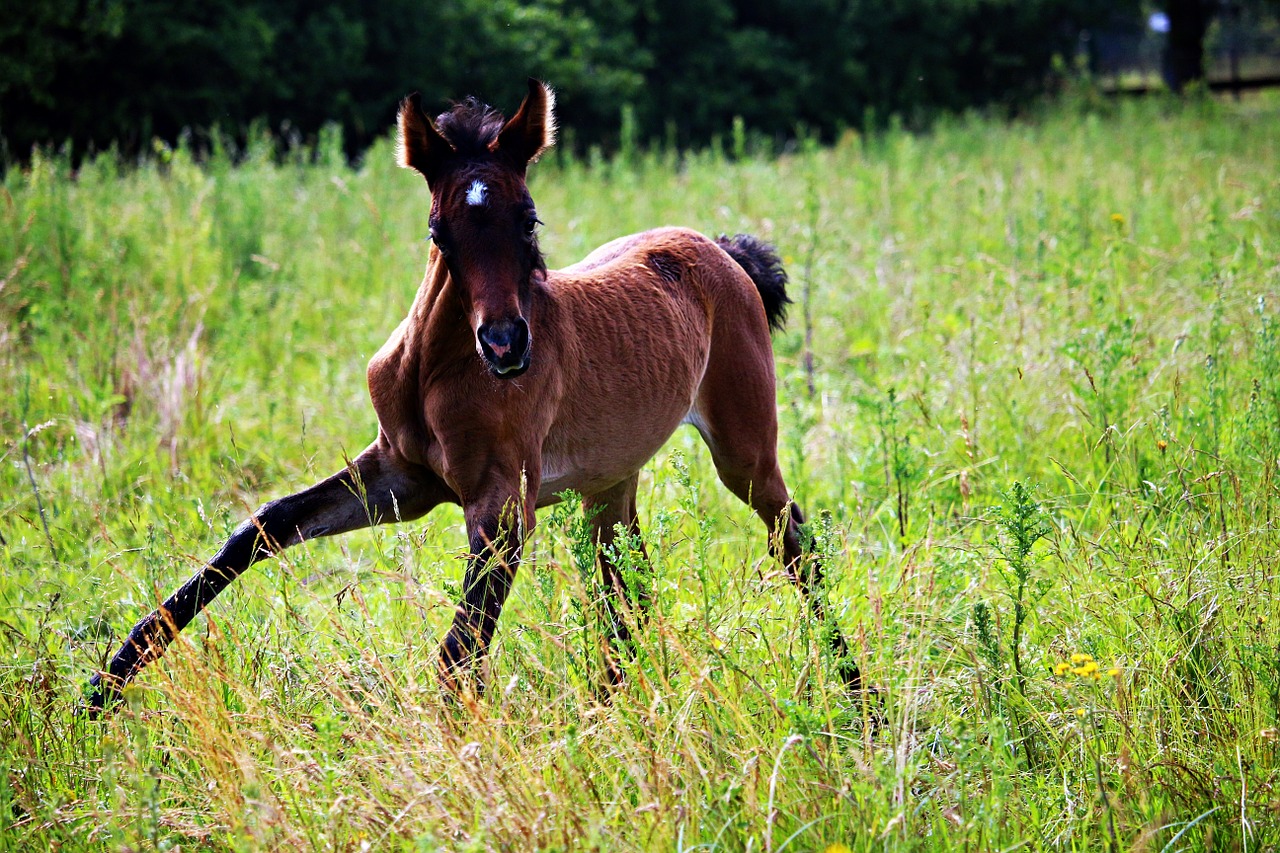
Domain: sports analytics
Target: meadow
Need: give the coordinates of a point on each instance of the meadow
(1029, 397)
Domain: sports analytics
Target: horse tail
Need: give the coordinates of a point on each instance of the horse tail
(762, 264)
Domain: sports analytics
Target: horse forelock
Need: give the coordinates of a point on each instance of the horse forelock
(470, 126)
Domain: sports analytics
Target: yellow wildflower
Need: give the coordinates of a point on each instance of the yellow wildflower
(1114, 672)
(837, 848)
(1061, 669)
(1079, 658)
(1080, 712)
(1118, 219)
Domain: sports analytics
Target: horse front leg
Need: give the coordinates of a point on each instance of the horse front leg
(374, 487)
(497, 522)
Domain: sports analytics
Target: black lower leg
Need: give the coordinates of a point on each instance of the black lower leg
(152, 635)
(372, 487)
(485, 588)
(149, 638)
(627, 592)
(806, 572)
(273, 527)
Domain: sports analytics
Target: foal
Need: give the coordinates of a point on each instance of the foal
(508, 384)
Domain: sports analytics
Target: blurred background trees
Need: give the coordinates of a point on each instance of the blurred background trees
(98, 73)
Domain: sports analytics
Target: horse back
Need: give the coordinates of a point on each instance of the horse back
(653, 298)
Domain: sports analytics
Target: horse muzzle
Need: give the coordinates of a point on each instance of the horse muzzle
(504, 345)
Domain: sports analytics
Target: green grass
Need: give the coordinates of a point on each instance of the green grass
(1044, 421)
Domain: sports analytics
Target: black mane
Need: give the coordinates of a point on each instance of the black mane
(470, 126)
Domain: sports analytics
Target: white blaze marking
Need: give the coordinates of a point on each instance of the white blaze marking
(476, 193)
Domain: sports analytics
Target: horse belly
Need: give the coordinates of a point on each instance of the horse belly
(561, 474)
(596, 470)
(612, 440)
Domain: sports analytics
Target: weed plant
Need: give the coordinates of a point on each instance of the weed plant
(1085, 301)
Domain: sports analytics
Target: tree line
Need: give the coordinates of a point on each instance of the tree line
(101, 73)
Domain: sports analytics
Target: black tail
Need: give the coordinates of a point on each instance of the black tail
(762, 263)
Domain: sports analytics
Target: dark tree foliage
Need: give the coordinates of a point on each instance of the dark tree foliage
(98, 73)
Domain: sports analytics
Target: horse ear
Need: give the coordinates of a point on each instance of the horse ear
(532, 129)
(419, 146)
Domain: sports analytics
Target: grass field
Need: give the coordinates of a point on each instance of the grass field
(1038, 444)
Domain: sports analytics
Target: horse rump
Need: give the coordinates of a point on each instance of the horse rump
(761, 262)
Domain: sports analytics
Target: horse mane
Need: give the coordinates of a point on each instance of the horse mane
(470, 126)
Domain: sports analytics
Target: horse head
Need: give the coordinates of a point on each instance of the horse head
(483, 221)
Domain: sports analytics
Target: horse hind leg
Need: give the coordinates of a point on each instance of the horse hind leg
(767, 495)
(736, 416)
(611, 512)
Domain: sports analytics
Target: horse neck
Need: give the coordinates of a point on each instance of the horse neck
(438, 325)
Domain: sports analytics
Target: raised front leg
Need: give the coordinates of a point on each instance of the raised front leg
(373, 488)
(498, 519)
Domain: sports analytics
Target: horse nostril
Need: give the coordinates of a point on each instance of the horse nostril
(520, 336)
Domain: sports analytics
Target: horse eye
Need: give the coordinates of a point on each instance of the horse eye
(531, 225)
(434, 236)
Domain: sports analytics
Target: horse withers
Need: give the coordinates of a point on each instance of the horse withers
(508, 384)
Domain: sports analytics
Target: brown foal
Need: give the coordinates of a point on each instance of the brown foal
(508, 384)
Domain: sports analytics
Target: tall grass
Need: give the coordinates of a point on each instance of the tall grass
(1044, 423)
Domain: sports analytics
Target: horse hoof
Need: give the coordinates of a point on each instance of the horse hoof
(98, 698)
